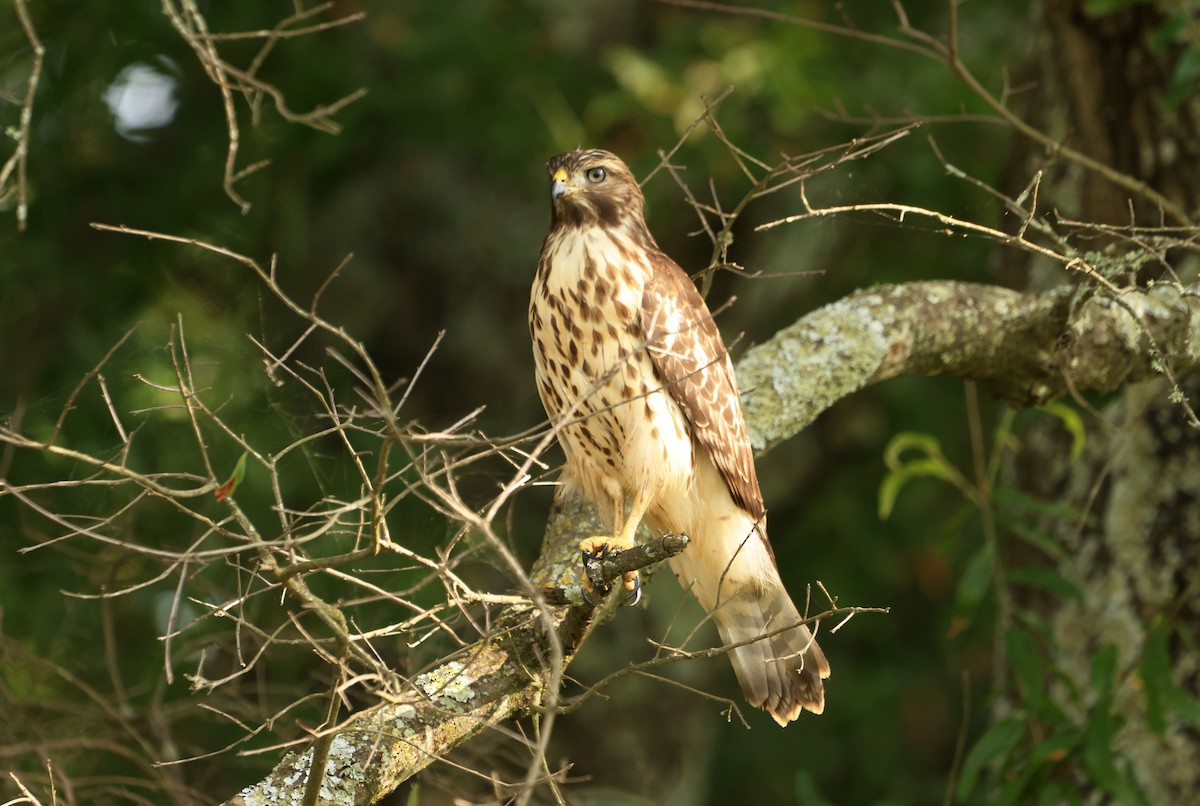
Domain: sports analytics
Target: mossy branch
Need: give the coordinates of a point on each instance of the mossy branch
(1025, 348)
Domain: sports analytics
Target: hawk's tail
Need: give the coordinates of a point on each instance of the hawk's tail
(781, 674)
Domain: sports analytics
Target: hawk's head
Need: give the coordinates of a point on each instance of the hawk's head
(594, 188)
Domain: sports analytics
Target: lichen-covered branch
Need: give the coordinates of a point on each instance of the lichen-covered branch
(500, 677)
(379, 748)
(1025, 348)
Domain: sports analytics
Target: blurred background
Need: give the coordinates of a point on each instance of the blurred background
(435, 185)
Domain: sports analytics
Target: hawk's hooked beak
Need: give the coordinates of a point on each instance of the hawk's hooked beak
(559, 185)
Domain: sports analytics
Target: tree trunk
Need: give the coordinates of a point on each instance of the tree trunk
(1131, 546)
(1115, 73)
(1127, 510)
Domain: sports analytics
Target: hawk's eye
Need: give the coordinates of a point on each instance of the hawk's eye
(596, 174)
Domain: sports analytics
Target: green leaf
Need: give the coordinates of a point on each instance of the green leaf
(893, 482)
(1097, 748)
(1103, 724)
(1163, 695)
(1032, 621)
(975, 580)
(1019, 501)
(910, 440)
(1130, 791)
(1104, 672)
(1027, 664)
(933, 463)
(1187, 706)
(1156, 678)
(1034, 537)
(1046, 578)
(1071, 421)
(1057, 793)
(1170, 30)
(995, 743)
(1099, 759)
(1054, 749)
(1015, 790)
(1050, 795)
(1184, 82)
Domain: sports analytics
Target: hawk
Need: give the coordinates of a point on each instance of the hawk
(641, 393)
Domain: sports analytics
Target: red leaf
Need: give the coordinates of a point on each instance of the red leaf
(235, 478)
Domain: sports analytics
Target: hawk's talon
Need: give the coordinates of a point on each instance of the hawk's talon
(586, 584)
(632, 597)
(599, 548)
(586, 589)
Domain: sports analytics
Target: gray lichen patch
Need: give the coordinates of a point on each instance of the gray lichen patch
(448, 685)
(343, 779)
(343, 774)
(805, 368)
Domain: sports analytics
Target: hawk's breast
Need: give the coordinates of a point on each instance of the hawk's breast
(620, 429)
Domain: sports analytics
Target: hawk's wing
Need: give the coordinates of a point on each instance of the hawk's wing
(686, 348)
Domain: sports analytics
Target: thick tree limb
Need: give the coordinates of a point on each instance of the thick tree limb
(1025, 348)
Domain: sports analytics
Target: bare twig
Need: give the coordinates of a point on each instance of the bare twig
(187, 19)
(921, 43)
(17, 161)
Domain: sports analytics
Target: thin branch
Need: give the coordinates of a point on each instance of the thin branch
(185, 16)
(20, 155)
(923, 44)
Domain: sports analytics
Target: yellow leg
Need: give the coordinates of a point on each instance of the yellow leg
(600, 546)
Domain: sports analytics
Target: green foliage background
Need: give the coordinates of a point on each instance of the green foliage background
(435, 184)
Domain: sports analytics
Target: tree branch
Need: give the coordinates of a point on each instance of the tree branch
(498, 678)
(1025, 348)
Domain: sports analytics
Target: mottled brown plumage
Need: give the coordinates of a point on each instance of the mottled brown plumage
(641, 392)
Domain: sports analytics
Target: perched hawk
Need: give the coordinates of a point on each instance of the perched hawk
(641, 392)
